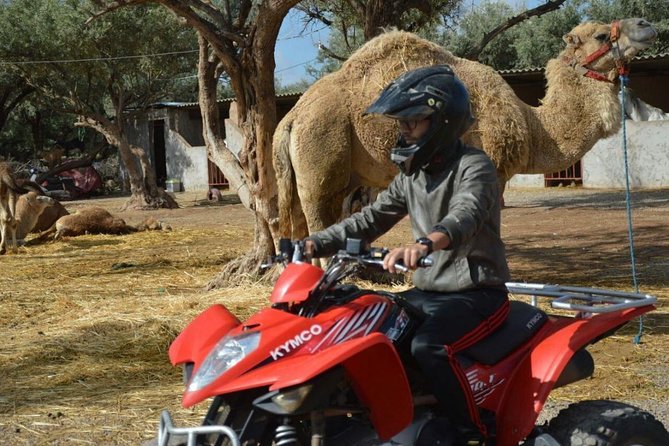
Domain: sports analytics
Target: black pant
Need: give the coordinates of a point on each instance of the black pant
(454, 322)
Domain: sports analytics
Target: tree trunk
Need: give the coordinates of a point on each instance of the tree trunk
(37, 134)
(208, 74)
(9, 103)
(251, 174)
(144, 191)
(67, 165)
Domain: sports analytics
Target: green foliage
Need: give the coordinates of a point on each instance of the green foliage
(474, 25)
(540, 38)
(81, 69)
(531, 43)
(295, 87)
(347, 25)
(340, 44)
(655, 11)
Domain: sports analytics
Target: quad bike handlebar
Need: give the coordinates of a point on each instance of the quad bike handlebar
(292, 251)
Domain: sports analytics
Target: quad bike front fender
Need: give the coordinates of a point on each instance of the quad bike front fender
(371, 363)
(536, 376)
(200, 336)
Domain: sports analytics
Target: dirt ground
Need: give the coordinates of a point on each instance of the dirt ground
(86, 322)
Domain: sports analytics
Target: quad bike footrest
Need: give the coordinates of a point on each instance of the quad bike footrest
(166, 430)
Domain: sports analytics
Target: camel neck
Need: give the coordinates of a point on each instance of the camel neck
(575, 113)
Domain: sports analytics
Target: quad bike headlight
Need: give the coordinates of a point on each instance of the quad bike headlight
(228, 352)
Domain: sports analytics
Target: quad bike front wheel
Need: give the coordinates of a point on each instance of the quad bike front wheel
(606, 423)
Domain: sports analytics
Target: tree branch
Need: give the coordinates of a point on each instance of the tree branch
(68, 165)
(107, 7)
(550, 5)
(7, 108)
(315, 14)
(328, 52)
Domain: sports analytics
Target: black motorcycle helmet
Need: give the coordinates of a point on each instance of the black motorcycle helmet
(433, 92)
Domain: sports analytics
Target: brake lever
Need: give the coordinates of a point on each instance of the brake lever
(424, 262)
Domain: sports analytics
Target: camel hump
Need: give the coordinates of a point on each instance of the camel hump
(285, 175)
(396, 47)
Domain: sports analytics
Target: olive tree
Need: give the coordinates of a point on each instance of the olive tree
(97, 72)
(237, 38)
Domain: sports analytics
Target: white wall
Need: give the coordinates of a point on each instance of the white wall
(526, 181)
(647, 154)
(604, 166)
(186, 163)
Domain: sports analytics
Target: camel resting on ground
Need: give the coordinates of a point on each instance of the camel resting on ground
(29, 209)
(52, 212)
(96, 220)
(324, 149)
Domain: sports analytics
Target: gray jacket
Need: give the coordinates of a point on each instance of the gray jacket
(463, 201)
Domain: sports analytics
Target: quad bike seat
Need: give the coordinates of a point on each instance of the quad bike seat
(523, 322)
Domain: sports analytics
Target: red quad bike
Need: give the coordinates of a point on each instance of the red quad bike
(328, 364)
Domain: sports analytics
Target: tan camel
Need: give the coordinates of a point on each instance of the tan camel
(29, 209)
(97, 220)
(324, 149)
(49, 216)
(9, 193)
(52, 212)
(93, 220)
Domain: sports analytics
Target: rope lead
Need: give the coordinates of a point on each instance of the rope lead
(628, 199)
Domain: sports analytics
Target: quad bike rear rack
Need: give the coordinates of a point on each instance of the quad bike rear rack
(167, 430)
(581, 299)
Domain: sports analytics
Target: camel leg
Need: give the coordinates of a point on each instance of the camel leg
(321, 212)
(12, 231)
(2, 238)
(298, 220)
(4, 227)
(12, 220)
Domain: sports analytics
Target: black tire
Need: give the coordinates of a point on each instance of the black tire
(606, 423)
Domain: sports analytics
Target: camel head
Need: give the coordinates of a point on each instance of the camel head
(34, 200)
(600, 50)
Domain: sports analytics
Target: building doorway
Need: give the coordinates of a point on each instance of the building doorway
(159, 157)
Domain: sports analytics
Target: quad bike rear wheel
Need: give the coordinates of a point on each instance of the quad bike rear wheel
(606, 423)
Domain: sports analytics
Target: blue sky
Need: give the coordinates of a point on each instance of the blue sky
(293, 52)
(297, 47)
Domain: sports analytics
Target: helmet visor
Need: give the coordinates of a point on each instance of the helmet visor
(417, 113)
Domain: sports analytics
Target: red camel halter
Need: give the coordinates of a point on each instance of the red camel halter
(611, 44)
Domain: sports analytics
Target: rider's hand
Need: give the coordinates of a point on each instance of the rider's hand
(409, 254)
(309, 249)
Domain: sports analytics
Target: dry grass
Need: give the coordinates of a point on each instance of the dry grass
(86, 325)
(86, 322)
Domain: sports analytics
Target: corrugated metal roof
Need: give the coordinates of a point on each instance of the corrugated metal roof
(653, 56)
(297, 94)
(171, 104)
(540, 69)
(521, 70)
